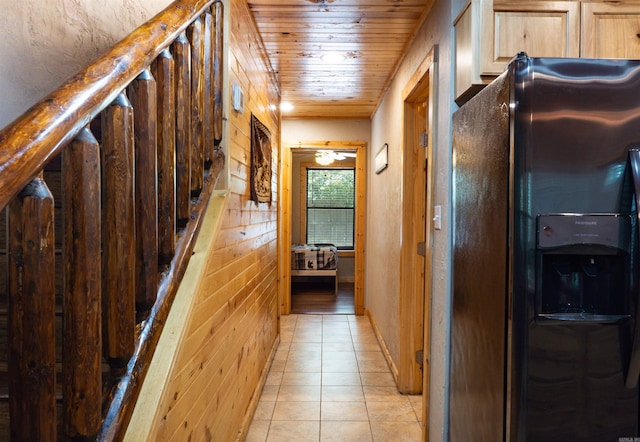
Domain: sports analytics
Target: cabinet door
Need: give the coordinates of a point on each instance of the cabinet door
(489, 33)
(610, 30)
(467, 52)
(539, 28)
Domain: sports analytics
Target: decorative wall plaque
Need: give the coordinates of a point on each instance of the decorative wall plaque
(260, 162)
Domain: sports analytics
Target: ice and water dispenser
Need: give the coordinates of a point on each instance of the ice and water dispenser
(583, 267)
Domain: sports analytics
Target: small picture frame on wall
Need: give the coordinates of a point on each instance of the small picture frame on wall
(382, 158)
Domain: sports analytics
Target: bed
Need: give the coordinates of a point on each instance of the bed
(315, 260)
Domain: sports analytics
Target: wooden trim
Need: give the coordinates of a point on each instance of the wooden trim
(327, 272)
(428, 265)
(284, 231)
(383, 346)
(414, 214)
(39, 134)
(417, 226)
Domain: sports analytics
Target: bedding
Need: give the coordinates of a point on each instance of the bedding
(314, 257)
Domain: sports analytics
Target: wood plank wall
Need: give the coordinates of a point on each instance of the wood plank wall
(233, 327)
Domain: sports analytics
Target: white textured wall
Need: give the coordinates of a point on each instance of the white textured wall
(45, 42)
(296, 130)
(383, 222)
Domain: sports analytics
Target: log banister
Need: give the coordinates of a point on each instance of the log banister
(39, 134)
(131, 148)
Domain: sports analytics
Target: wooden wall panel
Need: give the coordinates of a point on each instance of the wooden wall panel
(234, 325)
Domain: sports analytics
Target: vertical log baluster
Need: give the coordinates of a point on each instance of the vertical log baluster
(163, 70)
(196, 36)
(208, 89)
(31, 322)
(181, 50)
(82, 356)
(118, 232)
(218, 50)
(142, 95)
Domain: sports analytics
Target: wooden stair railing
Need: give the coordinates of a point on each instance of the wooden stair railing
(135, 142)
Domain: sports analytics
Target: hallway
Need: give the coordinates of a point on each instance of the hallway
(329, 381)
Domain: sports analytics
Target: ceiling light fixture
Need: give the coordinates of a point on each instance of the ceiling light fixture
(333, 57)
(324, 157)
(285, 106)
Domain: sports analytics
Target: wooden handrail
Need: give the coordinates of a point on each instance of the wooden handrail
(37, 136)
(131, 202)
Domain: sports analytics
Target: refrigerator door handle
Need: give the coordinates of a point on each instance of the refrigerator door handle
(633, 373)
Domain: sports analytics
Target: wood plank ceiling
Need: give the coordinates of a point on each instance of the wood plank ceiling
(371, 35)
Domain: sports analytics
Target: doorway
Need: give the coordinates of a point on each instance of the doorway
(290, 221)
(417, 231)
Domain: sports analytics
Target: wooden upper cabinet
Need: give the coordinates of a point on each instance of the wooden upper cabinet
(611, 30)
(489, 33)
(540, 28)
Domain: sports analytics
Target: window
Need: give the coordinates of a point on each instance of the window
(331, 206)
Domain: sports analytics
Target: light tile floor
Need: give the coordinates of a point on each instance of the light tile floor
(329, 381)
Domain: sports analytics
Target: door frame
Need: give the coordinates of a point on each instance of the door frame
(417, 226)
(285, 217)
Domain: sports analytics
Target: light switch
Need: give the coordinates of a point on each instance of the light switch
(437, 217)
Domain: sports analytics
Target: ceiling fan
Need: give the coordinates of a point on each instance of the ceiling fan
(326, 157)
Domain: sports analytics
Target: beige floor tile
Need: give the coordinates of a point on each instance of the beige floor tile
(307, 337)
(335, 318)
(329, 381)
(337, 346)
(294, 431)
(360, 346)
(307, 319)
(382, 394)
(309, 328)
(305, 346)
(336, 321)
(345, 431)
(342, 393)
(299, 393)
(396, 431)
(391, 412)
(281, 354)
(357, 330)
(373, 366)
(340, 366)
(301, 378)
(365, 340)
(336, 337)
(277, 365)
(264, 410)
(303, 365)
(274, 378)
(344, 411)
(416, 403)
(339, 356)
(341, 379)
(286, 336)
(370, 356)
(296, 411)
(305, 355)
(258, 431)
(269, 392)
(377, 379)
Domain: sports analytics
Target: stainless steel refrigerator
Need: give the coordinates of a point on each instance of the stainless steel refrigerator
(546, 178)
